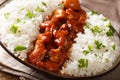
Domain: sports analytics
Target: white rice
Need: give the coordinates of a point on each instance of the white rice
(28, 27)
(98, 59)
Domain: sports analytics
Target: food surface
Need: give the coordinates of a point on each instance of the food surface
(19, 23)
(59, 36)
(94, 51)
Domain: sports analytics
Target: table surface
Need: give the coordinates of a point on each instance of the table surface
(5, 76)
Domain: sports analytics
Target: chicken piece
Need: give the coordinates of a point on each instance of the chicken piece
(55, 61)
(57, 56)
(50, 28)
(82, 17)
(49, 65)
(72, 14)
(48, 18)
(38, 51)
(73, 4)
(45, 37)
(59, 14)
(60, 38)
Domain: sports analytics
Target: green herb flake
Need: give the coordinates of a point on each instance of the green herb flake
(24, 22)
(98, 44)
(6, 15)
(93, 12)
(105, 19)
(22, 9)
(100, 57)
(83, 63)
(85, 52)
(106, 59)
(14, 28)
(18, 20)
(92, 73)
(61, 5)
(111, 30)
(87, 25)
(114, 47)
(90, 48)
(96, 29)
(38, 9)
(19, 48)
(30, 14)
(96, 55)
(109, 33)
(44, 4)
(106, 50)
(33, 20)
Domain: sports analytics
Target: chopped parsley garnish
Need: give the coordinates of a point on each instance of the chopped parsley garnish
(14, 28)
(44, 4)
(6, 15)
(24, 22)
(114, 47)
(98, 44)
(111, 30)
(83, 63)
(105, 19)
(90, 48)
(19, 48)
(92, 73)
(93, 12)
(61, 5)
(106, 59)
(30, 14)
(96, 29)
(106, 50)
(87, 25)
(96, 55)
(85, 52)
(22, 8)
(38, 9)
(109, 33)
(18, 20)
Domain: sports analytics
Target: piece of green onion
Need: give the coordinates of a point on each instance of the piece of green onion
(19, 48)
(6, 15)
(98, 44)
(83, 63)
(44, 4)
(38, 9)
(111, 30)
(18, 20)
(85, 52)
(90, 48)
(14, 28)
(114, 47)
(30, 14)
(93, 12)
(61, 5)
(96, 29)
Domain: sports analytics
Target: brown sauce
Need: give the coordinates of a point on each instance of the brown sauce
(57, 34)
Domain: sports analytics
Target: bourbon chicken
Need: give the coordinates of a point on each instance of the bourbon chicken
(57, 34)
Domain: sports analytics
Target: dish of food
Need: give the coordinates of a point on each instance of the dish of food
(59, 37)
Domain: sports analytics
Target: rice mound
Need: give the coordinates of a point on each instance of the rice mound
(27, 15)
(98, 59)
